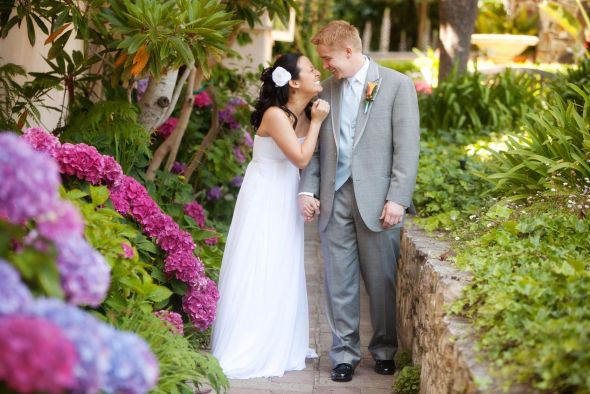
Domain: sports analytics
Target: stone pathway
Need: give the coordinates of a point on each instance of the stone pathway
(316, 376)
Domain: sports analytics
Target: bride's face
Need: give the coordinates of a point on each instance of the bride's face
(309, 77)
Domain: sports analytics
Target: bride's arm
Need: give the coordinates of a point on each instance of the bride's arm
(276, 124)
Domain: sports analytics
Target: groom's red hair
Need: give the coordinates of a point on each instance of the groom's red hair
(338, 34)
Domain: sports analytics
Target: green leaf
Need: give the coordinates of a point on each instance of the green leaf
(99, 195)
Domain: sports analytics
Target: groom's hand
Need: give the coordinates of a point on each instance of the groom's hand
(309, 207)
(392, 214)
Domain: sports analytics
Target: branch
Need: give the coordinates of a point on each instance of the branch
(207, 141)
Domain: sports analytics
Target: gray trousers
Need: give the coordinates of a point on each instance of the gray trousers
(350, 249)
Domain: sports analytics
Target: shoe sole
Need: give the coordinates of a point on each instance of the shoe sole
(385, 372)
(342, 380)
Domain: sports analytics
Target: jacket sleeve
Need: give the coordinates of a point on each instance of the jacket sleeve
(405, 122)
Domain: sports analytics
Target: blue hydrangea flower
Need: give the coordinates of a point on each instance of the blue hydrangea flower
(133, 367)
(30, 180)
(14, 294)
(85, 274)
(90, 337)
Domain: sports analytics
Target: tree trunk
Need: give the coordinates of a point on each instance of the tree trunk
(156, 100)
(367, 35)
(385, 31)
(423, 25)
(170, 146)
(457, 19)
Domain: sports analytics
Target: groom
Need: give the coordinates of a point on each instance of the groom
(364, 173)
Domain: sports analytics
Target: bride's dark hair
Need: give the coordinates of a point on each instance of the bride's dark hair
(277, 96)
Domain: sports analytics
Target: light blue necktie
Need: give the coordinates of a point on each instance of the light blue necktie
(348, 112)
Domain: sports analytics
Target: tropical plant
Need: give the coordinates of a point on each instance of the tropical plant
(15, 98)
(553, 151)
(471, 101)
(577, 76)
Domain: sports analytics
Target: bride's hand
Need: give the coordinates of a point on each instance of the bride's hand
(320, 110)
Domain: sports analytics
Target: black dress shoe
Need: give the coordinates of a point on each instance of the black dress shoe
(342, 373)
(384, 367)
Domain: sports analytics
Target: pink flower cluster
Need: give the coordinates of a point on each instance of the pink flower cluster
(196, 211)
(35, 356)
(423, 87)
(200, 305)
(131, 198)
(175, 320)
(86, 163)
(202, 99)
(167, 127)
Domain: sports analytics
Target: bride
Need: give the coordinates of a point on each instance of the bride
(262, 327)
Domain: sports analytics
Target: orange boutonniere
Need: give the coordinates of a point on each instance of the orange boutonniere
(370, 96)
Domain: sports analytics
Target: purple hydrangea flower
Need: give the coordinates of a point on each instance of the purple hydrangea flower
(214, 193)
(35, 355)
(133, 367)
(237, 181)
(62, 222)
(236, 102)
(226, 116)
(178, 168)
(85, 275)
(30, 180)
(248, 139)
(239, 155)
(14, 294)
(141, 87)
(90, 337)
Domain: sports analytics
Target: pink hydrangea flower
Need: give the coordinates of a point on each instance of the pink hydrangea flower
(185, 266)
(82, 161)
(200, 303)
(35, 355)
(196, 212)
(42, 140)
(128, 251)
(167, 127)
(202, 99)
(175, 320)
(212, 240)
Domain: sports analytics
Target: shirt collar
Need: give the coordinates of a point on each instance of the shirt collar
(361, 74)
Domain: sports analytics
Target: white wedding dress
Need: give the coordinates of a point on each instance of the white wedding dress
(262, 326)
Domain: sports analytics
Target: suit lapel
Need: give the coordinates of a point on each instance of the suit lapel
(335, 93)
(362, 117)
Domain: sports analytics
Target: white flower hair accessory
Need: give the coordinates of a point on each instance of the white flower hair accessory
(280, 76)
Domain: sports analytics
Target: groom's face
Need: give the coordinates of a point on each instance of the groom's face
(336, 60)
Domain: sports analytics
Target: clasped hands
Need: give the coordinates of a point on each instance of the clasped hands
(392, 214)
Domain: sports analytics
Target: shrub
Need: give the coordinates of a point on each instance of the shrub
(408, 381)
(402, 359)
(528, 297)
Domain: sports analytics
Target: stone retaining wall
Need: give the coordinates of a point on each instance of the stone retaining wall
(442, 344)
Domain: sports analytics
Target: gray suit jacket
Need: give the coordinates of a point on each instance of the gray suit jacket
(385, 148)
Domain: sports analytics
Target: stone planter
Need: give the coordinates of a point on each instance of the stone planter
(501, 48)
(441, 343)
